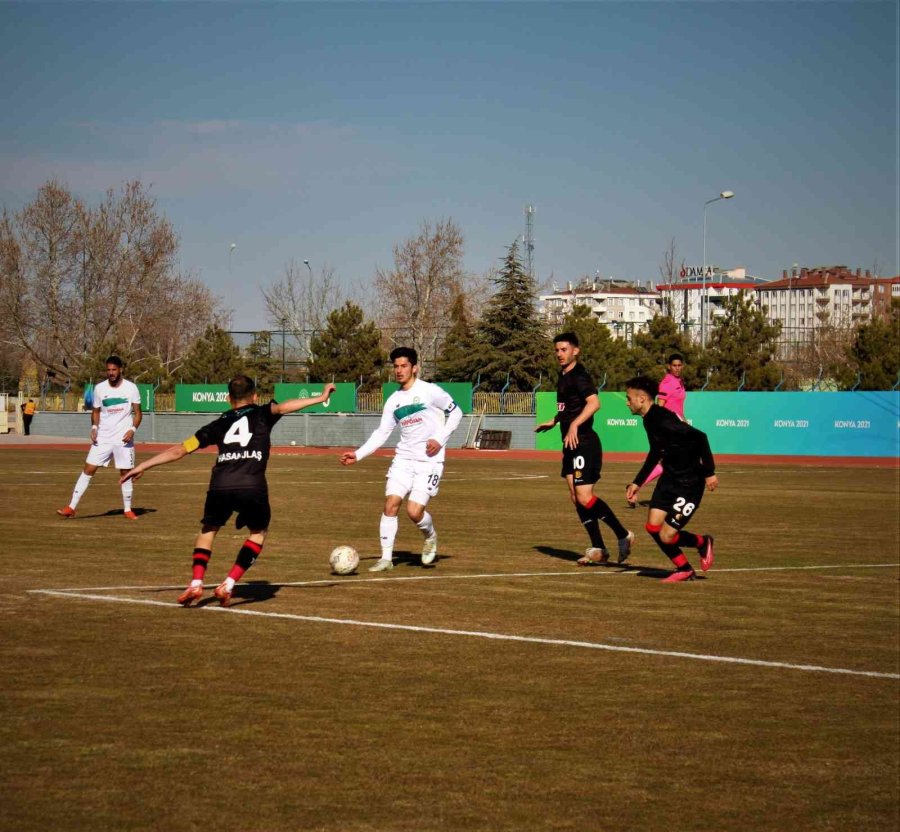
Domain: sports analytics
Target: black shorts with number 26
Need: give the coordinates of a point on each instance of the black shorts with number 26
(679, 500)
(585, 461)
(251, 505)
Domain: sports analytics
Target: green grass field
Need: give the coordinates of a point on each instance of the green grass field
(504, 689)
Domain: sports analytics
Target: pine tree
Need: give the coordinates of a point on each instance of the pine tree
(459, 359)
(348, 349)
(606, 358)
(213, 358)
(262, 366)
(875, 353)
(512, 342)
(651, 350)
(742, 348)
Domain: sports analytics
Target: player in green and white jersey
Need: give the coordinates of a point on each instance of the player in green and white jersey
(115, 417)
(427, 416)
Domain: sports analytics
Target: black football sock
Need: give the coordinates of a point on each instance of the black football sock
(670, 550)
(201, 559)
(689, 539)
(601, 510)
(591, 526)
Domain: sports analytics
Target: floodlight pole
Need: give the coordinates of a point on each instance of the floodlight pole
(704, 301)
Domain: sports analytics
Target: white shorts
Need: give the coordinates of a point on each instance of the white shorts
(418, 480)
(101, 453)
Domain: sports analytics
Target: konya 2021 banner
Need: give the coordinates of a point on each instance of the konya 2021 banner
(863, 424)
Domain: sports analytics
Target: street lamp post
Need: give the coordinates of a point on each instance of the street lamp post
(306, 263)
(704, 301)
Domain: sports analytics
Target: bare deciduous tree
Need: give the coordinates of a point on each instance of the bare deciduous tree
(74, 278)
(415, 297)
(300, 302)
(670, 271)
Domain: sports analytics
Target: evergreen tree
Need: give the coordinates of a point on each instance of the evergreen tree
(742, 348)
(606, 358)
(511, 337)
(262, 366)
(213, 358)
(875, 353)
(651, 350)
(348, 349)
(459, 359)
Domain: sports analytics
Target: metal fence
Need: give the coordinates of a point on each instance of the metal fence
(509, 403)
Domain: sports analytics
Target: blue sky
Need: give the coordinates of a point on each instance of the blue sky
(331, 131)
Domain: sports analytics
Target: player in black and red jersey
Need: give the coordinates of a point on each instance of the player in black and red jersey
(688, 467)
(238, 482)
(576, 404)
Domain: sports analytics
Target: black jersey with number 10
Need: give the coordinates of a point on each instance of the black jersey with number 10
(243, 439)
(572, 391)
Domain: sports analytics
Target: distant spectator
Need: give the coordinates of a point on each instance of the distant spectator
(27, 415)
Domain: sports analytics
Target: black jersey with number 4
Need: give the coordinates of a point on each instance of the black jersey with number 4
(243, 439)
(572, 391)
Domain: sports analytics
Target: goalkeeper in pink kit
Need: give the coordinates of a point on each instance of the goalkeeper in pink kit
(671, 396)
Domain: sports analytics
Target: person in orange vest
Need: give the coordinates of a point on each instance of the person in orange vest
(27, 415)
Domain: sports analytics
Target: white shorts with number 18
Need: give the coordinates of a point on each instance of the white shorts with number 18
(419, 480)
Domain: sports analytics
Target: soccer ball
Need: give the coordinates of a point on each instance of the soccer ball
(344, 560)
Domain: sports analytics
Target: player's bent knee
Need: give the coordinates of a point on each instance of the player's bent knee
(652, 528)
(668, 534)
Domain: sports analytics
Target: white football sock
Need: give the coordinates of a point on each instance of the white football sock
(426, 525)
(388, 531)
(127, 492)
(84, 480)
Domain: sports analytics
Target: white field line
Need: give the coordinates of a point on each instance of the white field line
(615, 569)
(614, 648)
(336, 480)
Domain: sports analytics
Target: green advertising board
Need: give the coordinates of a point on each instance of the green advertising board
(342, 400)
(461, 391)
(201, 398)
(147, 397)
(860, 424)
(619, 429)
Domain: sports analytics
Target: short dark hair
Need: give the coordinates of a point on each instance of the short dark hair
(241, 387)
(568, 337)
(675, 356)
(114, 359)
(405, 352)
(644, 384)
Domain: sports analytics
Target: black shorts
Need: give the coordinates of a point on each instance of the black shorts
(680, 500)
(252, 509)
(585, 461)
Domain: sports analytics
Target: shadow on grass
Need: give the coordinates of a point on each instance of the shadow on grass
(639, 571)
(404, 559)
(113, 512)
(252, 592)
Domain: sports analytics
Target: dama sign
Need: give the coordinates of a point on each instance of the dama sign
(699, 271)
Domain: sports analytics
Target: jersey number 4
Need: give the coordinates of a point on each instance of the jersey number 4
(239, 433)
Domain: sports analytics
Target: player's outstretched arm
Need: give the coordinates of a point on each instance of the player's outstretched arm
(293, 405)
(172, 454)
(543, 426)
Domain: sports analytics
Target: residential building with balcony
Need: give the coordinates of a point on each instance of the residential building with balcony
(688, 298)
(624, 306)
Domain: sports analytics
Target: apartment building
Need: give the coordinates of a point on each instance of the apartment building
(624, 306)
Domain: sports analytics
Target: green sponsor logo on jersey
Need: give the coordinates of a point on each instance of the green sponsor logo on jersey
(408, 410)
(111, 402)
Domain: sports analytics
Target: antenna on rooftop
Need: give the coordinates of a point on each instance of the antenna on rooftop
(529, 240)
